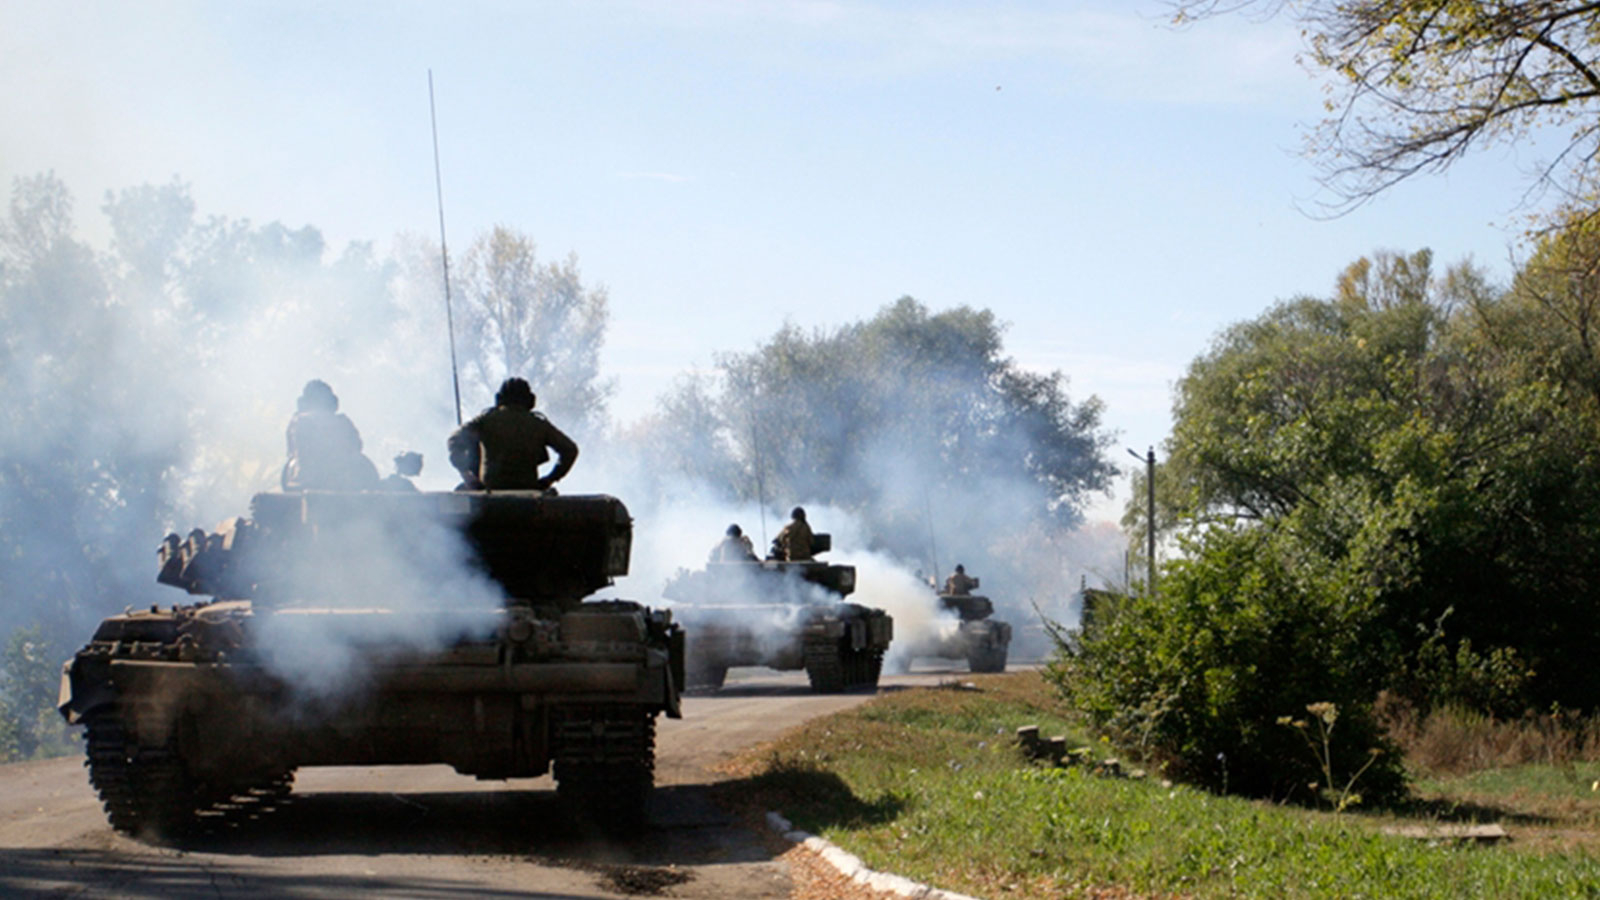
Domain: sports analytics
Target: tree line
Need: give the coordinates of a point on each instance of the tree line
(148, 383)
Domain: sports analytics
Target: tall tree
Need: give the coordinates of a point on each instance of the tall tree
(520, 317)
(1422, 82)
(912, 419)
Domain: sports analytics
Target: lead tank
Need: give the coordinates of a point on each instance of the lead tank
(781, 615)
(370, 628)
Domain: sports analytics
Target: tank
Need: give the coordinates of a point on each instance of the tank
(372, 628)
(781, 615)
(976, 637)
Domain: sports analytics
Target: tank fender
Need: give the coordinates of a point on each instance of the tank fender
(80, 695)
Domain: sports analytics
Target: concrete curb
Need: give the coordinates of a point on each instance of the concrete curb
(855, 870)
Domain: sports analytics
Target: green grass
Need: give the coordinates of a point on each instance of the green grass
(928, 784)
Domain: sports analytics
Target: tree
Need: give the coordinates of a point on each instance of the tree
(519, 317)
(1404, 431)
(145, 392)
(1422, 82)
(911, 419)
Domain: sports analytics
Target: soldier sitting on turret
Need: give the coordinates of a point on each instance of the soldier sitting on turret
(324, 446)
(502, 449)
(960, 583)
(794, 542)
(734, 547)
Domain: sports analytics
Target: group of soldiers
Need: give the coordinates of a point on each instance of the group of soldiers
(501, 449)
(795, 543)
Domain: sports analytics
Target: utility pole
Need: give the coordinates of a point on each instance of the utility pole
(1150, 516)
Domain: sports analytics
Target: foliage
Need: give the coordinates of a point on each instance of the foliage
(887, 417)
(519, 317)
(107, 359)
(1407, 431)
(1324, 718)
(1246, 628)
(30, 674)
(1363, 487)
(928, 784)
(1419, 83)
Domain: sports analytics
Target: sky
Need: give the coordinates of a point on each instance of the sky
(1115, 189)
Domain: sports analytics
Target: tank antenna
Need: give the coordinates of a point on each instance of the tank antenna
(444, 254)
(933, 543)
(761, 488)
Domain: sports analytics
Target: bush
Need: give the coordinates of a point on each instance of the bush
(1245, 632)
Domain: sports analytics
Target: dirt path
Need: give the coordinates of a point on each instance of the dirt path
(427, 831)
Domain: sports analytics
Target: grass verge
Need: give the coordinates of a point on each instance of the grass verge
(927, 783)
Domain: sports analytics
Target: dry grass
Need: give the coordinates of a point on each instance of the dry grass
(1455, 741)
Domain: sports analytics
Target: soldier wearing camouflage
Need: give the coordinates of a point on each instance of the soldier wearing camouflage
(794, 542)
(960, 583)
(504, 446)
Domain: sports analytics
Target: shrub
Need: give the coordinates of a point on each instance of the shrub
(1244, 631)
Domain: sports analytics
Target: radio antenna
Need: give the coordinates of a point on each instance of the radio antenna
(444, 253)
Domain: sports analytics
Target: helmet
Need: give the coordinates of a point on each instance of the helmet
(734, 531)
(798, 512)
(514, 392)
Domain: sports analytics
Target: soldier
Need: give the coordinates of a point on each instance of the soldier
(793, 543)
(502, 449)
(960, 583)
(734, 547)
(324, 446)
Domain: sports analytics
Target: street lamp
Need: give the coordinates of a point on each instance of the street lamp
(1150, 515)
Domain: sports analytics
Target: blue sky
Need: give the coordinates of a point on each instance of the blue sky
(1115, 189)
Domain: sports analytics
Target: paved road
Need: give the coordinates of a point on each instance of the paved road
(426, 831)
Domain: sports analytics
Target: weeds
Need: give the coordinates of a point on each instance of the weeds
(1452, 740)
(1326, 715)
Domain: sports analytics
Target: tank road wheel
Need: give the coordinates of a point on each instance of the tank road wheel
(144, 789)
(826, 662)
(605, 760)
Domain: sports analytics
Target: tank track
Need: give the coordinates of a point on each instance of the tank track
(833, 668)
(991, 659)
(605, 762)
(147, 791)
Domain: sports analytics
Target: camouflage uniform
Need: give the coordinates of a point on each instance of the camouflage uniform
(325, 454)
(794, 541)
(733, 548)
(960, 583)
(505, 445)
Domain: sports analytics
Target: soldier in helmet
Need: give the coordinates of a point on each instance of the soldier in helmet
(960, 583)
(734, 547)
(502, 449)
(793, 543)
(324, 446)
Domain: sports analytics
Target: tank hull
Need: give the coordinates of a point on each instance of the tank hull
(780, 615)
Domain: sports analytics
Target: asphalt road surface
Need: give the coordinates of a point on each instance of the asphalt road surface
(425, 831)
